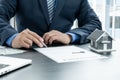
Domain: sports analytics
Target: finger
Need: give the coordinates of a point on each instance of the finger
(35, 38)
(25, 44)
(36, 41)
(28, 41)
(47, 36)
(52, 39)
(35, 35)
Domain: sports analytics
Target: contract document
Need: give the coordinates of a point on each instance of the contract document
(68, 54)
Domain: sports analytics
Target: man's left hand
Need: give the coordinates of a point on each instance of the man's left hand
(56, 36)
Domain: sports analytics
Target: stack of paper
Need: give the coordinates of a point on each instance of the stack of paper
(68, 54)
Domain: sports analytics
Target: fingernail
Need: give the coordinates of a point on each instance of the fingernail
(40, 45)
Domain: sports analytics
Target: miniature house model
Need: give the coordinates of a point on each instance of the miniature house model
(101, 41)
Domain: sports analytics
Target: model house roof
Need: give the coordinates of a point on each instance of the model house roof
(97, 34)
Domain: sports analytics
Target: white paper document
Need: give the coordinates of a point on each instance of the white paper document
(8, 51)
(68, 54)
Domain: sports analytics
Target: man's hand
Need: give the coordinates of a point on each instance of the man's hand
(26, 38)
(56, 36)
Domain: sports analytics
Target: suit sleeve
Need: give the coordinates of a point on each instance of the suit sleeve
(7, 11)
(87, 22)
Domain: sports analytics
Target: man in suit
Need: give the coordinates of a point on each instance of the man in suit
(35, 24)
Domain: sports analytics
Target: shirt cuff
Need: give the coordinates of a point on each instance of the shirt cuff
(10, 39)
(74, 36)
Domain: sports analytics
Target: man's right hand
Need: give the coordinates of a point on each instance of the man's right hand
(26, 38)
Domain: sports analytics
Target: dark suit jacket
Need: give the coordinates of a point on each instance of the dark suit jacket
(33, 14)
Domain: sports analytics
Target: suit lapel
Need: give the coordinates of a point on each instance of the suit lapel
(59, 6)
(45, 9)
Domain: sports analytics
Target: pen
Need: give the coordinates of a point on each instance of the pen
(44, 44)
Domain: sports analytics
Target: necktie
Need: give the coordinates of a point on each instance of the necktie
(51, 8)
